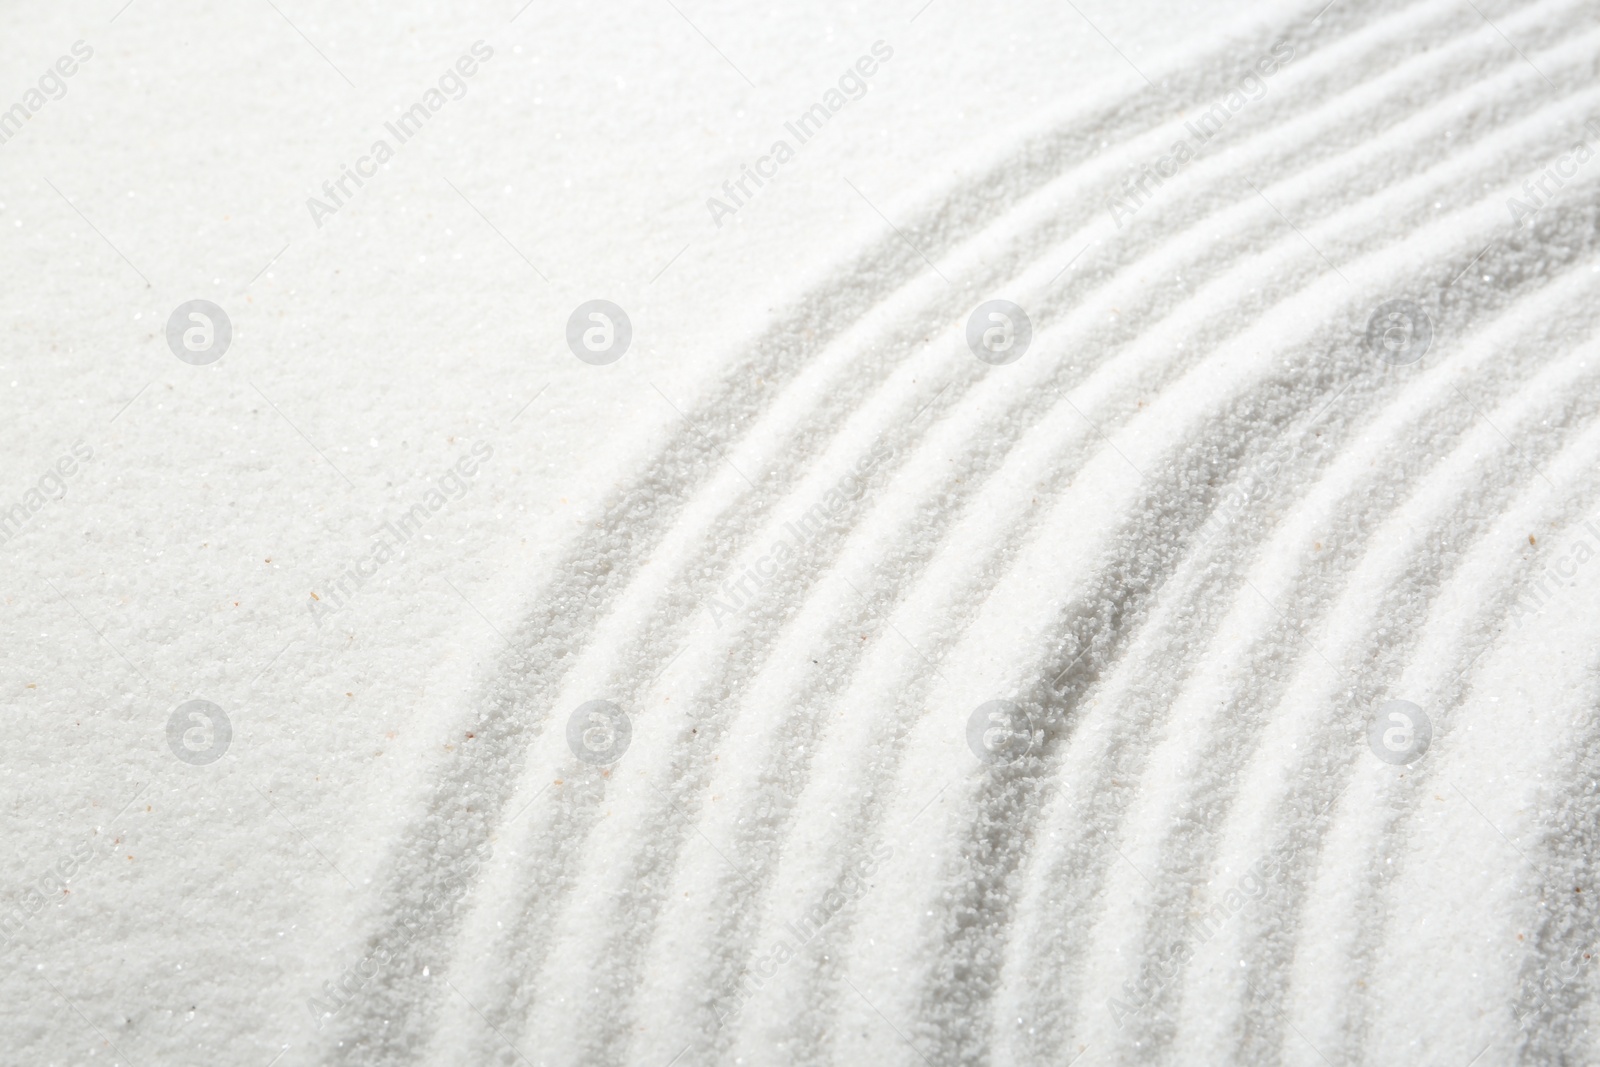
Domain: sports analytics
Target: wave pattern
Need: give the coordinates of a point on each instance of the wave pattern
(1198, 535)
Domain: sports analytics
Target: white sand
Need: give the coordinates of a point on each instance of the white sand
(1195, 539)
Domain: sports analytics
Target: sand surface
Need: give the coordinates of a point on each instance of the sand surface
(680, 532)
